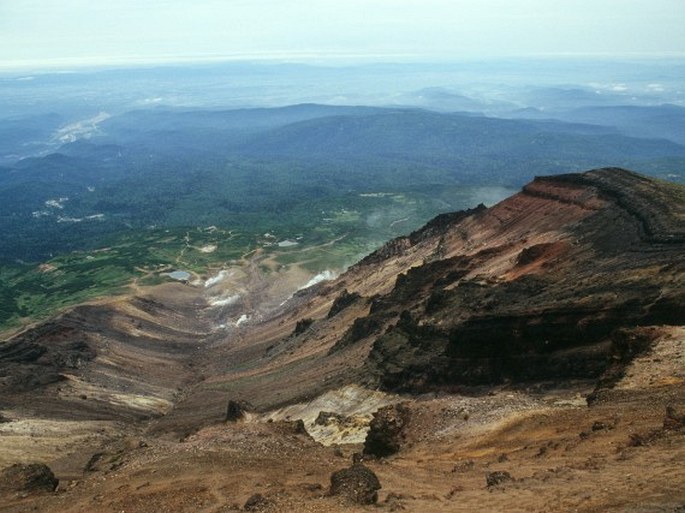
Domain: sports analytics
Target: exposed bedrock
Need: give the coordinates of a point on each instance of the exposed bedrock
(548, 310)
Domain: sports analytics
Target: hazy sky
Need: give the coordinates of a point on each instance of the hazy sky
(56, 32)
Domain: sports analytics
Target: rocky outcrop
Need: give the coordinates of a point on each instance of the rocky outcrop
(341, 302)
(536, 288)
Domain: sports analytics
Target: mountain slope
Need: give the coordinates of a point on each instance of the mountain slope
(536, 288)
(510, 317)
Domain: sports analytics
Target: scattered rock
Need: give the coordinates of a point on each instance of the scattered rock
(257, 503)
(32, 477)
(386, 431)
(497, 478)
(236, 410)
(599, 426)
(103, 461)
(357, 484)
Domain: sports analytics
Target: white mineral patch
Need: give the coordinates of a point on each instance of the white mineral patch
(322, 276)
(222, 275)
(352, 401)
(224, 301)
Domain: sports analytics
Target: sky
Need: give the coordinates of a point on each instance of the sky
(53, 33)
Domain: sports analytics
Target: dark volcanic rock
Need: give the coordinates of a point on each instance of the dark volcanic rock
(361, 328)
(302, 326)
(341, 302)
(33, 477)
(257, 502)
(236, 410)
(497, 478)
(358, 484)
(385, 434)
(559, 280)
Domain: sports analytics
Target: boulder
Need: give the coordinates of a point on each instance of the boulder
(357, 484)
(257, 503)
(386, 431)
(31, 478)
(497, 478)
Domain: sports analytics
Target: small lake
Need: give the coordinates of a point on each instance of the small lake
(179, 275)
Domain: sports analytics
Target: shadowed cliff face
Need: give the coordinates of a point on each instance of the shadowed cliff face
(531, 289)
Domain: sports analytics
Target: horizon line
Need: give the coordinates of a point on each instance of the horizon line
(304, 58)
